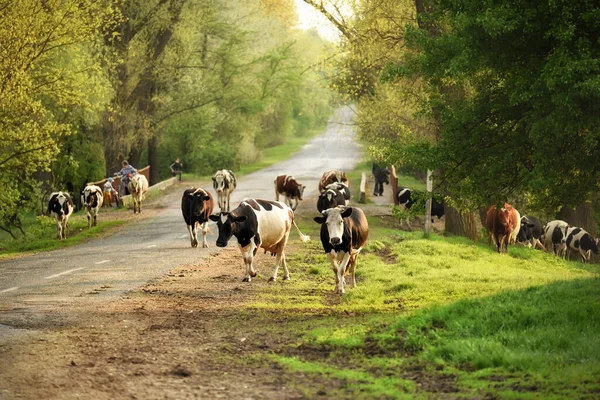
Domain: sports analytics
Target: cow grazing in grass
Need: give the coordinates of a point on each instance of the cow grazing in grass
(343, 188)
(503, 224)
(197, 206)
(258, 224)
(406, 198)
(224, 183)
(60, 206)
(555, 236)
(330, 198)
(288, 186)
(531, 232)
(92, 199)
(331, 176)
(578, 240)
(344, 232)
(137, 186)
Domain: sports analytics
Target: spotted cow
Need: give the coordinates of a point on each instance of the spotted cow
(224, 183)
(344, 232)
(92, 199)
(531, 232)
(333, 175)
(330, 198)
(288, 186)
(60, 206)
(343, 188)
(258, 224)
(197, 206)
(578, 240)
(555, 236)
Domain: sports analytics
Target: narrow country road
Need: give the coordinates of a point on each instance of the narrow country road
(43, 290)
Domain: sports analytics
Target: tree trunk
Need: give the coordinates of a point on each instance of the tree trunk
(460, 224)
(153, 160)
(582, 216)
(482, 215)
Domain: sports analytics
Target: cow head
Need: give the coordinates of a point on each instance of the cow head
(525, 234)
(226, 222)
(219, 181)
(89, 196)
(300, 191)
(334, 218)
(197, 199)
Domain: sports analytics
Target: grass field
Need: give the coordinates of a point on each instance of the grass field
(441, 317)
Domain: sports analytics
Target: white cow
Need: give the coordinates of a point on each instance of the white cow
(92, 199)
(224, 183)
(137, 186)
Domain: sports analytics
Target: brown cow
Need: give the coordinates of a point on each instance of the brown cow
(333, 175)
(288, 186)
(503, 225)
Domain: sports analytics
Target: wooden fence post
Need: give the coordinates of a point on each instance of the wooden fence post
(363, 185)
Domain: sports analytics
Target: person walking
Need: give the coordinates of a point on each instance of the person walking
(125, 173)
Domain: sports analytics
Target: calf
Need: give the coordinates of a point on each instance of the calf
(333, 175)
(406, 198)
(343, 188)
(330, 198)
(287, 186)
(501, 224)
(60, 206)
(197, 206)
(137, 186)
(531, 232)
(258, 223)
(92, 199)
(554, 236)
(580, 241)
(381, 176)
(344, 232)
(224, 183)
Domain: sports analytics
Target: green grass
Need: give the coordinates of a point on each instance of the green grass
(41, 236)
(523, 324)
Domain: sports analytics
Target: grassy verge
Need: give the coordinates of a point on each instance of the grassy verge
(42, 236)
(442, 317)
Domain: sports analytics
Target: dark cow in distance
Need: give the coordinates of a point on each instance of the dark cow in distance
(344, 232)
(60, 206)
(258, 223)
(343, 188)
(224, 183)
(197, 206)
(531, 232)
(578, 240)
(330, 198)
(92, 199)
(502, 225)
(331, 176)
(381, 176)
(288, 186)
(406, 198)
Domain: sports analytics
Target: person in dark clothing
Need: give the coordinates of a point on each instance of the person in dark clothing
(176, 168)
(381, 175)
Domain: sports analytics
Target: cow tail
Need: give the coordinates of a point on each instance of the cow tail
(303, 238)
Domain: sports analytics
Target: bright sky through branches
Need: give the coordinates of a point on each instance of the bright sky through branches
(310, 18)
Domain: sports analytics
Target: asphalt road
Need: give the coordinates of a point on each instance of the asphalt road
(43, 290)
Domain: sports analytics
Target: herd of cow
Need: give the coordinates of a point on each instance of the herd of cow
(506, 226)
(266, 224)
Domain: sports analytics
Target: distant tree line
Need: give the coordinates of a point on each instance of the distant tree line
(499, 98)
(85, 84)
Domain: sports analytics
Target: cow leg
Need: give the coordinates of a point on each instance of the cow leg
(278, 257)
(58, 229)
(204, 233)
(276, 192)
(248, 253)
(89, 218)
(537, 242)
(191, 232)
(64, 229)
(352, 271)
(340, 272)
(334, 266)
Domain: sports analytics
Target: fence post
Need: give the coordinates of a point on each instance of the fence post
(363, 185)
(428, 203)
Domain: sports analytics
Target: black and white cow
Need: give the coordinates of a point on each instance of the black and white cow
(60, 206)
(288, 186)
(330, 198)
(405, 197)
(197, 206)
(578, 240)
(555, 236)
(92, 199)
(258, 223)
(224, 183)
(344, 232)
(343, 188)
(531, 232)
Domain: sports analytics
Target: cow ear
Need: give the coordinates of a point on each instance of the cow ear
(320, 220)
(347, 212)
(530, 225)
(207, 198)
(241, 218)
(214, 179)
(213, 217)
